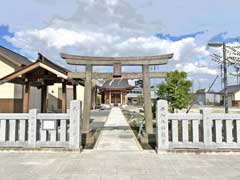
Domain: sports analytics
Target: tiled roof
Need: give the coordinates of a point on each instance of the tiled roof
(117, 84)
(14, 57)
(50, 63)
(231, 89)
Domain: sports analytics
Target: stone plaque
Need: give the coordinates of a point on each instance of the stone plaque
(48, 124)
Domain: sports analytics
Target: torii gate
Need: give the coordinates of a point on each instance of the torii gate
(117, 63)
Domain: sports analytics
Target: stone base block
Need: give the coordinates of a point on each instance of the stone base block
(148, 139)
(88, 139)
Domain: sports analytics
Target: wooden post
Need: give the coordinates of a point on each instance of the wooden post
(74, 92)
(126, 98)
(64, 97)
(44, 99)
(147, 100)
(87, 99)
(122, 98)
(103, 98)
(26, 97)
(94, 97)
(110, 98)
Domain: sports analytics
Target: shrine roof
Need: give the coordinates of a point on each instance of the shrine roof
(117, 84)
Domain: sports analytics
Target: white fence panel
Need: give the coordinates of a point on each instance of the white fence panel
(207, 130)
(26, 129)
(195, 130)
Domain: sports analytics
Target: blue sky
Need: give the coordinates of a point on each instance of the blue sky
(124, 28)
(4, 31)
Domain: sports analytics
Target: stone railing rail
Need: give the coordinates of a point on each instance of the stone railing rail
(27, 129)
(207, 131)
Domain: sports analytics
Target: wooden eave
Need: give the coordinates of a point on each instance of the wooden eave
(19, 76)
(31, 67)
(116, 88)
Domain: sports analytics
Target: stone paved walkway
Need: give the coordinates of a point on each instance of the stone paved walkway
(95, 165)
(117, 134)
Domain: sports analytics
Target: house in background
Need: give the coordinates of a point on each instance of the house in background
(137, 92)
(233, 95)
(14, 67)
(11, 94)
(207, 98)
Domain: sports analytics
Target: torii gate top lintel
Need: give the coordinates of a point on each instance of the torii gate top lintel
(99, 61)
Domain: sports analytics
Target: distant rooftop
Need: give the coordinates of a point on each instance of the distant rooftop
(231, 89)
(14, 57)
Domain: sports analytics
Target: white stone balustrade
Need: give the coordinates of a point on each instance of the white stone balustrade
(206, 130)
(26, 129)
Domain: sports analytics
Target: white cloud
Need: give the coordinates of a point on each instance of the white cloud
(102, 44)
(103, 28)
(109, 28)
(193, 68)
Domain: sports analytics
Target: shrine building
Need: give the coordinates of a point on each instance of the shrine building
(114, 91)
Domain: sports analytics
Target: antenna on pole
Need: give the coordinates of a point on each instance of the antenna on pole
(231, 56)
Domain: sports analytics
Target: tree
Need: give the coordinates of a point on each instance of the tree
(176, 90)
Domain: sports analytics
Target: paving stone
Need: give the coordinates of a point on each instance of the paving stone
(117, 134)
(124, 165)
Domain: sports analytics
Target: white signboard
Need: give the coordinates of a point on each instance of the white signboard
(48, 124)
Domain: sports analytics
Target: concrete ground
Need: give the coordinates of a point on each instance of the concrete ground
(98, 118)
(91, 164)
(116, 134)
(117, 165)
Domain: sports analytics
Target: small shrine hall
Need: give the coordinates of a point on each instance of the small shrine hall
(114, 91)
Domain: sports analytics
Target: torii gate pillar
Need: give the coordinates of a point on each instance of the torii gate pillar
(87, 99)
(147, 100)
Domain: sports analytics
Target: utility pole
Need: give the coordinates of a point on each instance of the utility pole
(224, 62)
(225, 79)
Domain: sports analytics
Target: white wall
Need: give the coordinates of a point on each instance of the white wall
(7, 89)
(55, 94)
(237, 96)
(35, 98)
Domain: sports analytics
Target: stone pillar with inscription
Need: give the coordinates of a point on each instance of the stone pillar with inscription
(75, 124)
(32, 129)
(207, 128)
(162, 126)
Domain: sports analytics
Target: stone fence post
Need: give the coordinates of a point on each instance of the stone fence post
(32, 129)
(75, 137)
(162, 126)
(207, 128)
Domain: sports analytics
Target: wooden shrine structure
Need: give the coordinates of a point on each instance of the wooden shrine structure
(114, 91)
(117, 63)
(41, 74)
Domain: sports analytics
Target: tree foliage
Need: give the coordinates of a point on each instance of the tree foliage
(176, 90)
